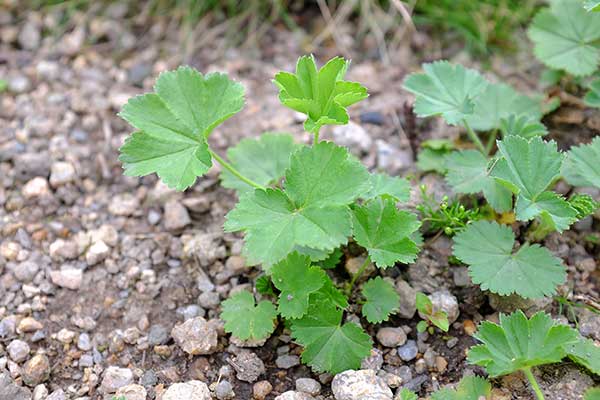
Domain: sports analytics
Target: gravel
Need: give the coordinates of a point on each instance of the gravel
(195, 336)
(360, 385)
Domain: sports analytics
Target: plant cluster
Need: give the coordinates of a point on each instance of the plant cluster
(300, 205)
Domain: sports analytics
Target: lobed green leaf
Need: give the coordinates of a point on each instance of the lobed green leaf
(531, 272)
(247, 320)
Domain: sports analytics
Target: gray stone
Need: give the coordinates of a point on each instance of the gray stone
(19, 84)
(18, 350)
(10, 391)
(461, 277)
(391, 337)
(8, 326)
(287, 361)
(40, 392)
(58, 394)
(116, 378)
(83, 342)
(132, 392)
(510, 303)
(353, 136)
(293, 395)
(209, 300)
(26, 271)
(36, 370)
(192, 390)
(589, 324)
(196, 336)
(97, 253)
(360, 385)
(138, 72)
(36, 187)
(30, 35)
(374, 361)
(70, 278)
(308, 385)
(123, 205)
(158, 335)
(408, 351)
(61, 173)
(408, 299)
(63, 250)
(248, 366)
(446, 302)
(176, 216)
(224, 390)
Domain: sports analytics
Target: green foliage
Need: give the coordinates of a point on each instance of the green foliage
(469, 388)
(468, 173)
(171, 134)
(498, 101)
(531, 272)
(432, 156)
(322, 94)
(332, 260)
(3, 85)
(247, 320)
(432, 317)
(528, 168)
(581, 167)
(591, 5)
(566, 37)
(522, 126)
(328, 344)
(385, 232)
(382, 300)
(263, 160)
(389, 187)
(518, 343)
(445, 89)
(592, 98)
(264, 285)
(296, 279)
(406, 394)
(449, 216)
(586, 353)
(311, 211)
(584, 204)
(592, 394)
(485, 26)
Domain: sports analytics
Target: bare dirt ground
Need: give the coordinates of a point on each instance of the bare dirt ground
(96, 268)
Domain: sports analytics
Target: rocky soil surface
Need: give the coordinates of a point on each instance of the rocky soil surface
(111, 286)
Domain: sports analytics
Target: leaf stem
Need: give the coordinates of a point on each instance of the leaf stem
(533, 382)
(234, 171)
(316, 136)
(490, 142)
(474, 137)
(358, 273)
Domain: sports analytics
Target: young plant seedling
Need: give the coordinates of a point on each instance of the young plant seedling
(431, 317)
(519, 344)
(298, 204)
(448, 217)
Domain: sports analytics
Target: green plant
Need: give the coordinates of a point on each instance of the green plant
(449, 217)
(581, 165)
(486, 26)
(298, 204)
(431, 317)
(519, 344)
(487, 247)
(566, 37)
(469, 388)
